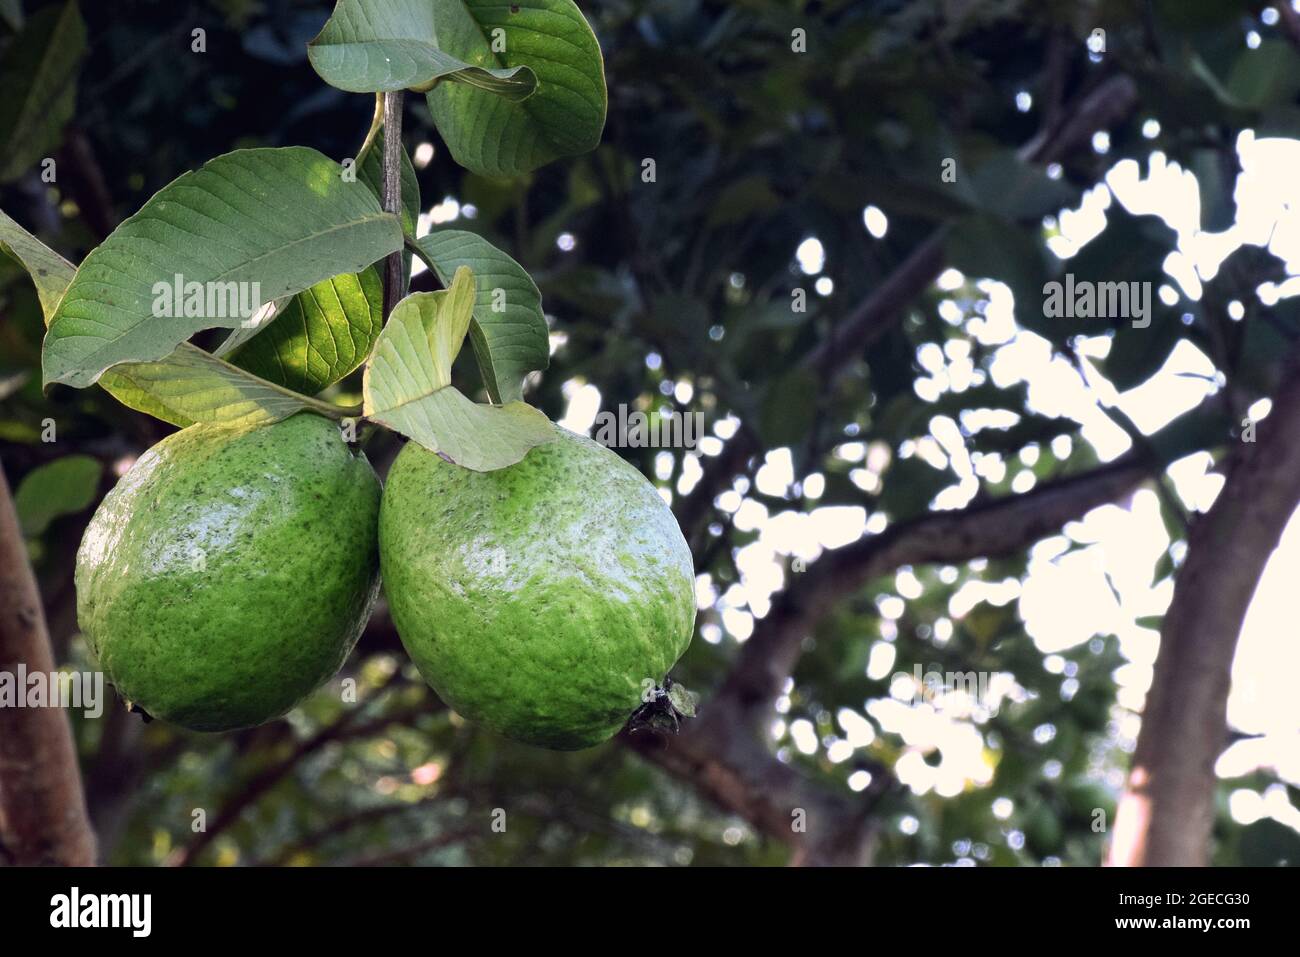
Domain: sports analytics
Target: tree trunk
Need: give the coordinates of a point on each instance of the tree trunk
(43, 816)
(1166, 814)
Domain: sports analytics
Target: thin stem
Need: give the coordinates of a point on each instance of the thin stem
(334, 411)
(392, 103)
(376, 124)
(414, 247)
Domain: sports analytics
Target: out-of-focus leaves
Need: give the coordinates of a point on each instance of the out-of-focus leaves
(743, 199)
(789, 407)
(62, 487)
(1265, 76)
(280, 220)
(986, 246)
(38, 77)
(1009, 187)
(11, 11)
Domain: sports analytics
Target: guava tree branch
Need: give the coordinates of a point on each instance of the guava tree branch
(43, 819)
(989, 529)
(720, 756)
(1166, 813)
(723, 754)
(392, 200)
(343, 728)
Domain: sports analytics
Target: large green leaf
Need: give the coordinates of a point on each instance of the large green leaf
(49, 271)
(408, 385)
(38, 84)
(281, 218)
(323, 333)
(509, 331)
(319, 336)
(191, 386)
(984, 246)
(371, 46)
(1007, 186)
(62, 487)
(1266, 76)
(494, 136)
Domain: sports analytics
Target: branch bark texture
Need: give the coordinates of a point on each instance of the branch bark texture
(1166, 815)
(43, 819)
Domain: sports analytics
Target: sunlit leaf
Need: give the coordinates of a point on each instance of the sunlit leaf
(191, 386)
(407, 385)
(272, 220)
(319, 336)
(509, 332)
(494, 136)
(372, 46)
(49, 271)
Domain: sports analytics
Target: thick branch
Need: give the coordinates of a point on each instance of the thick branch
(989, 529)
(720, 756)
(43, 818)
(723, 753)
(1166, 815)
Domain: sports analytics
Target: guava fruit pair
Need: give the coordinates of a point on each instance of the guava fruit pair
(230, 573)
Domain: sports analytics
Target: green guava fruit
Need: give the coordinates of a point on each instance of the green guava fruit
(542, 599)
(230, 572)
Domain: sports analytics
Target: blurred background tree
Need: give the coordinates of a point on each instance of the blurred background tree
(808, 222)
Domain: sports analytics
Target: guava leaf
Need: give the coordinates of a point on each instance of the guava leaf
(154, 388)
(282, 218)
(38, 78)
(11, 11)
(49, 271)
(319, 335)
(372, 46)
(407, 385)
(493, 136)
(191, 386)
(509, 331)
(62, 487)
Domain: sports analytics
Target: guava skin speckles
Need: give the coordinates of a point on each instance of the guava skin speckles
(230, 572)
(536, 599)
